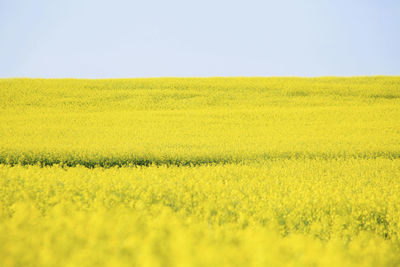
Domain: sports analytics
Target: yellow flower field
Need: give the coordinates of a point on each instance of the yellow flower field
(200, 172)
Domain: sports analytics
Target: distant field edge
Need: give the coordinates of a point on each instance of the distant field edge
(204, 77)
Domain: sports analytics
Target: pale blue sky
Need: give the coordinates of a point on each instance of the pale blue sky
(100, 39)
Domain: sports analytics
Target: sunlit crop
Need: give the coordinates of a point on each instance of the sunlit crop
(200, 172)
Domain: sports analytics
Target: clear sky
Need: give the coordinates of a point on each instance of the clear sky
(149, 38)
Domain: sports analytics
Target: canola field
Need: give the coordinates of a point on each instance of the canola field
(200, 172)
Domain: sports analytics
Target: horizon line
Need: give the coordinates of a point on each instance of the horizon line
(196, 77)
